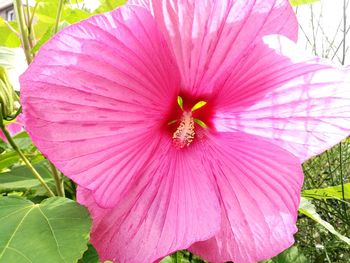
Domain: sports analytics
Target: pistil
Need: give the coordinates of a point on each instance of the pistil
(184, 134)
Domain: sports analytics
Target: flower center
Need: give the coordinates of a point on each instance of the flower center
(185, 131)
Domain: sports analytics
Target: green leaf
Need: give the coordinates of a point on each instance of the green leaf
(308, 209)
(72, 16)
(334, 192)
(177, 257)
(302, 2)
(291, 255)
(23, 141)
(182, 256)
(21, 179)
(90, 256)
(48, 34)
(7, 159)
(8, 37)
(57, 230)
(45, 19)
(47, 11)
(167, 259)
(109, 5)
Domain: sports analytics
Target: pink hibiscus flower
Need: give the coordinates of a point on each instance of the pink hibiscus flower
(185, 124)
(14, 128)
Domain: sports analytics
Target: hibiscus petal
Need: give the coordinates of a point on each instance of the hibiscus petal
(302, 104)
(172, 206)
(95, 96)
(259, 184)
(208, 37)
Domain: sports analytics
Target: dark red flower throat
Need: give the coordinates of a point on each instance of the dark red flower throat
(188, 119)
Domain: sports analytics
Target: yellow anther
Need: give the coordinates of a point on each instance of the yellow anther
(199, 105)
(180, 102)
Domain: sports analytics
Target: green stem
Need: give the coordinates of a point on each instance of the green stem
(58, 180)
(11, 28)
(344, 33)
(29, 26)
(58, 16)
(342, 181)
(32, 15)
(23, 30)
(25, 160)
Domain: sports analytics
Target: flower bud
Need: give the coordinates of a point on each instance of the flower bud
(8, 97)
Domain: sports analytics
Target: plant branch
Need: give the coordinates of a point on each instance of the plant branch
(59, 14)
(32, 15)
(11, 28)
(58, 180)
(23, 30)
(345, 32)
(22, 156)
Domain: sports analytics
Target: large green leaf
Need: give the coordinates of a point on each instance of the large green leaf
(302, 2)
(335, 192)
(57, 231)
(308, 209)
(21, 179)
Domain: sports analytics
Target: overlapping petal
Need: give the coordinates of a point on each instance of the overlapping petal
(209, 37)
(302, 104)
(173, 205)
(259, 186)
(95, 97)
